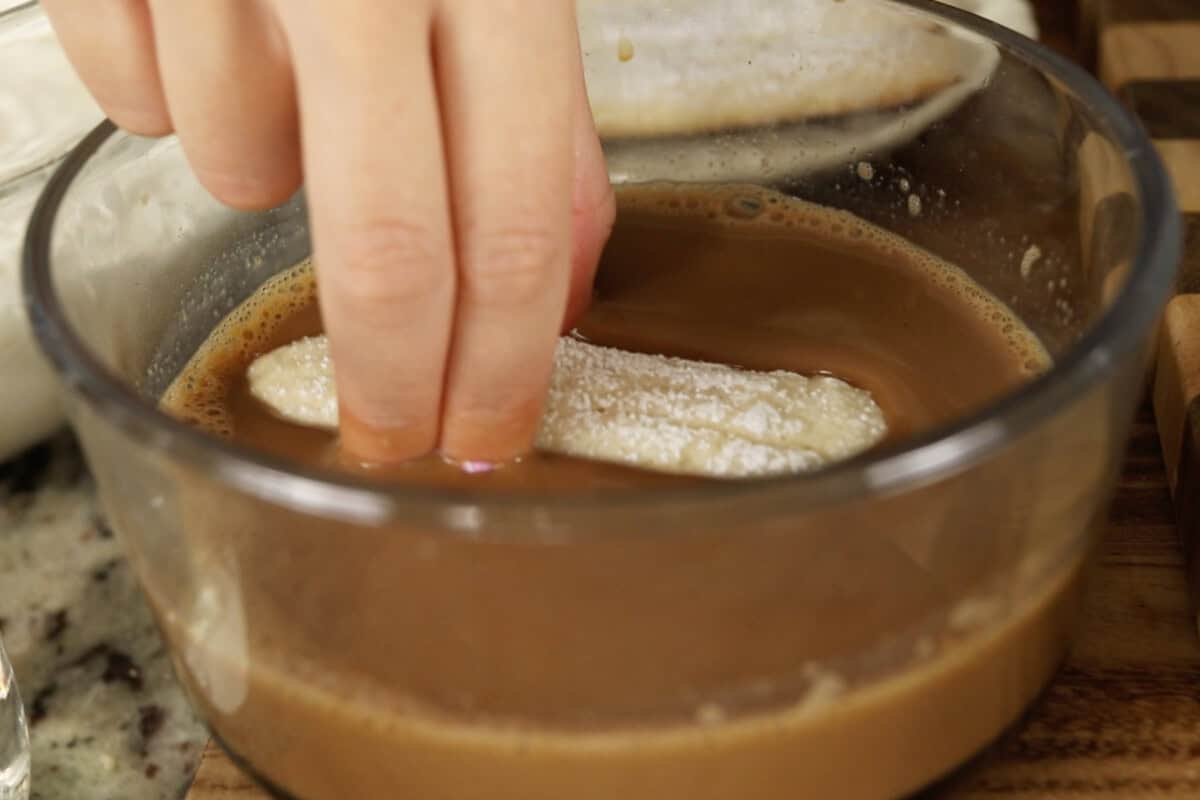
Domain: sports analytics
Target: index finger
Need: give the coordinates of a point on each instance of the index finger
(380, 220)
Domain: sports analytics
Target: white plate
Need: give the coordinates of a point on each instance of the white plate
(790, 150)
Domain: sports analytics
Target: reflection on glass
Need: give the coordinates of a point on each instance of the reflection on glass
(14, 737)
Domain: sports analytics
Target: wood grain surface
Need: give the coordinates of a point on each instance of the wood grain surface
(1149, 56)
(1122, 719)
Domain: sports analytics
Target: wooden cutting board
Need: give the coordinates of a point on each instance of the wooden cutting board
(1149, 55)
(1122, 720)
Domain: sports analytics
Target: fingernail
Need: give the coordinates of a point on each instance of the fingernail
(477, 467)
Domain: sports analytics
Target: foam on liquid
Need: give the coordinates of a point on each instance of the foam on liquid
(200, 395)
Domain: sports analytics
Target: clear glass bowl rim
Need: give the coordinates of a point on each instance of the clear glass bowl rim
(902, 467)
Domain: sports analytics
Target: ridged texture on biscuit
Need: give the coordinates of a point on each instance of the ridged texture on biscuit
(693, 417)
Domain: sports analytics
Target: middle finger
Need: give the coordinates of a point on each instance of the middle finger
(507, 80)
(377, 196)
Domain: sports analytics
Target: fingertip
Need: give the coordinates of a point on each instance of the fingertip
(495, 430)
(115, 56)
(371, 445)
(150, 122)
(252, 191)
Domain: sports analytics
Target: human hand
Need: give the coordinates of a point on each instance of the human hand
(456, 187)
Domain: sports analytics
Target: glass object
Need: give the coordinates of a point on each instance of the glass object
(573, 645)
(14, 736)
(44, 107)
(44, 112)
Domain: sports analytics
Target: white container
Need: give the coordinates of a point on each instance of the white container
(44, 110)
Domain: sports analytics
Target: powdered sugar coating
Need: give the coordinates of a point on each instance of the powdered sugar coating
(701, 418)
(298, 380)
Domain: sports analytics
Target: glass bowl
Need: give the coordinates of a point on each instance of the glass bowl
(346, 639)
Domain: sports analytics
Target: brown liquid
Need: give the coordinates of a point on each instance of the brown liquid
(726, 662)
(738, 276)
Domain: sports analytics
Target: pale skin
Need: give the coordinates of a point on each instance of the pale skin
(457, 192)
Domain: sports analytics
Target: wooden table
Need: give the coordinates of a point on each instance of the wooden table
(1122, 720)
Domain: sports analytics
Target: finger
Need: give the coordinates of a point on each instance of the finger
(111, 45)
(228, 82)
(593, 207)
(379, 215)
(510, 144)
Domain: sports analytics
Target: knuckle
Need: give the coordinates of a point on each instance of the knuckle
(512, 266)
(386, 261)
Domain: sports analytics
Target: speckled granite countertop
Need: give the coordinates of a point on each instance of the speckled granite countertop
(109, 722)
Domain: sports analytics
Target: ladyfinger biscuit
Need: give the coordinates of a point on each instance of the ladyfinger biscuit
(649, 411)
